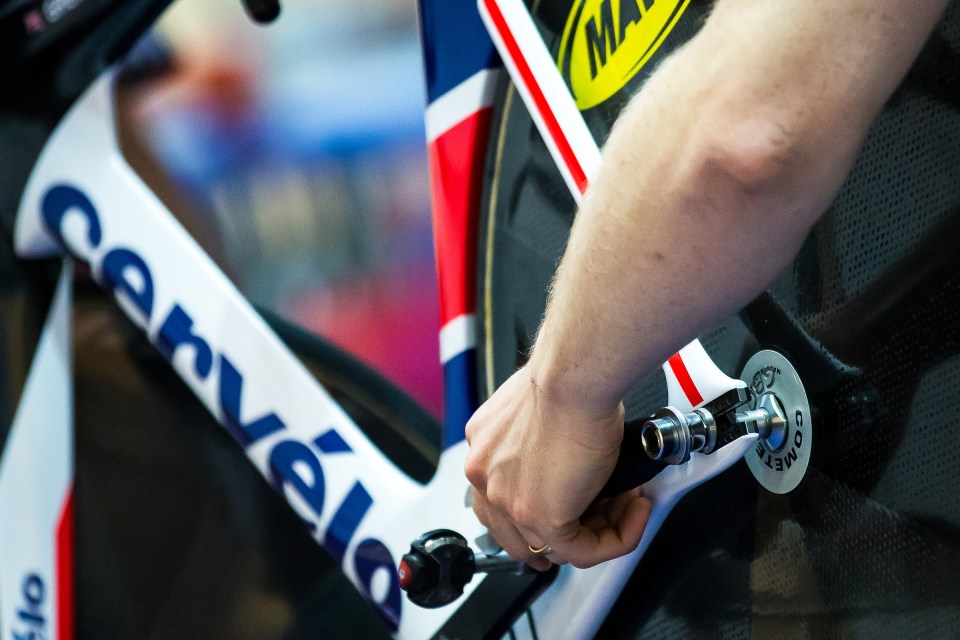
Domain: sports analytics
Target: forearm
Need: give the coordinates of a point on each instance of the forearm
(712, 178)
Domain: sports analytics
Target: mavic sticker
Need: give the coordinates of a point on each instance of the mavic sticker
(606, 42)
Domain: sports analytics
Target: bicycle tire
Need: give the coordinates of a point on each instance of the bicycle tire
(867, 545)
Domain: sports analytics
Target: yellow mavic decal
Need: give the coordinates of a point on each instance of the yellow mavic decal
(606, 42)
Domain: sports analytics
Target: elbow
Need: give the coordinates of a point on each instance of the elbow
(749, 165)
(758, 179)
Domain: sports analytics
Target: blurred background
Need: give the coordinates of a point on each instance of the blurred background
(295, 153)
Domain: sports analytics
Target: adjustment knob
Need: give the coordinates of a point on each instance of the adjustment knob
(417, 572)
(437, 567)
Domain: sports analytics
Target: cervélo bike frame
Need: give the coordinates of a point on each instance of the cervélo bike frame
(83, 200)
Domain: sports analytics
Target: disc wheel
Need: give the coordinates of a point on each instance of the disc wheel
(868, 544)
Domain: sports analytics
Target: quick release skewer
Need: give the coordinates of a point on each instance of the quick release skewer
(671, 435)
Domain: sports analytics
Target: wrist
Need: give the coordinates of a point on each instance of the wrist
(573, 391)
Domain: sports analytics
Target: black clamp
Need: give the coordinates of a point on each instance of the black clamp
(439, 565)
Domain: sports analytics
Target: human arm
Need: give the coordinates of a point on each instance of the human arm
(710, 181)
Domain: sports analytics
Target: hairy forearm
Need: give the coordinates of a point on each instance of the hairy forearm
(712, 178)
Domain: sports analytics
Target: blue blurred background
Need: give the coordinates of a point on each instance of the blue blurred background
(296, 153)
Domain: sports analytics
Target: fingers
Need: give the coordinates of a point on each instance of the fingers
(506, 534)
(538, 541)
(609, 529)
(533, 472)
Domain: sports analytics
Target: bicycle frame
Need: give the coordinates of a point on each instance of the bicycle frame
(357, 504)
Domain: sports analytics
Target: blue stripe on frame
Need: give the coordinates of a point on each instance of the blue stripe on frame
(460, 395)
(455, 44)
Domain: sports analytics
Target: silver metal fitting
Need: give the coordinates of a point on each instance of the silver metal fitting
(768, 421)
(671, 435)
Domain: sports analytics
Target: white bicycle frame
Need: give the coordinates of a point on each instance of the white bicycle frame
(83, 199)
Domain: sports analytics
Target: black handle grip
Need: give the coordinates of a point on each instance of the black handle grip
(634, 466)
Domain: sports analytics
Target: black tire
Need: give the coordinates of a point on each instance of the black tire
(869, 313)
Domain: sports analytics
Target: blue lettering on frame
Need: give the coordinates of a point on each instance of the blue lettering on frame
(115, 265)
(331, 442)
(372, 556)
(283, 457)
(63, 198)
(175, 332)
(31, 615)
(346, 520)
(287, 459)
(231, 392)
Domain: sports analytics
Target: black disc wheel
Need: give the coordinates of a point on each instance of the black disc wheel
(868, 312)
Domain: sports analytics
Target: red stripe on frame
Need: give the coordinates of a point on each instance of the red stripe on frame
(456, 180)
(64, 570)
(683, 377)
(566, 151)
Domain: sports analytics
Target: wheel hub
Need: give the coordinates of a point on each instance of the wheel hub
(779, 463)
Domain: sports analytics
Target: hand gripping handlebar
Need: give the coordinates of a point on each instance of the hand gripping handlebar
(440, 563)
